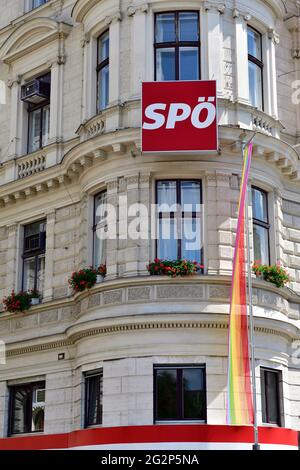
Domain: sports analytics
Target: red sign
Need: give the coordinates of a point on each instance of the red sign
(179, 116)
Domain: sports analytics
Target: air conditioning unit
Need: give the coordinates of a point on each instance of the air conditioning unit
(35, 92)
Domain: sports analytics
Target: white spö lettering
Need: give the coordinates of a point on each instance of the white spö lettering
(151, 112)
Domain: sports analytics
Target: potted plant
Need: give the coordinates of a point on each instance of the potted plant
(19, 302)
(275, 273)
(83, 279)
(101, 273)
(173, 268)
(35, 297)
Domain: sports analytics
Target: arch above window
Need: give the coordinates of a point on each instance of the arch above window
(31, 36)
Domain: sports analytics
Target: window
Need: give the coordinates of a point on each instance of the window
(93, 398)
(27, 408)
(255, 68)
(179, 220)
(180, 393)
(177, 46)
(103, 71)
(38, 3)
(261, 227)
(39, 120)
(271, 396)
(34, 256)
(99, 229)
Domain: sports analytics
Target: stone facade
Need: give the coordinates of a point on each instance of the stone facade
(132, 321)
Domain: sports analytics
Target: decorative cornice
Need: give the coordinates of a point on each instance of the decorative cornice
(123, 328)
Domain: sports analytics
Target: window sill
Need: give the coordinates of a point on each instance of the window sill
(26, 434)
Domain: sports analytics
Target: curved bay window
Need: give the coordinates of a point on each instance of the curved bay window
(103, 71)
(99, 229)
(177, 46)
(255, 68)
(261, 226)
(34, 256)
(179, 220)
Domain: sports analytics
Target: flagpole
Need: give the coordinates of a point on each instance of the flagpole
(256, 445)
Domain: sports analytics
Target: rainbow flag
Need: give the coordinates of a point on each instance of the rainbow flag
(239, 391)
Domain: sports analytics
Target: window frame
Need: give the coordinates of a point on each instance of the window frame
(264, 401)
(261, 223)
(38, 6)
(12, 390)
(101, 65)
(179, 396)
(95, 226)
(178, 202)
(259, 63)
(88, 375)
(34, 253)
(177, 44)
(30, 110)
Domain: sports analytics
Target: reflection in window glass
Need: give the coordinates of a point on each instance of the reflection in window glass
(261, 227)
(255, 69)
(103, 72)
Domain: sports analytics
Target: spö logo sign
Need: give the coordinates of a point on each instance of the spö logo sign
(179, 116)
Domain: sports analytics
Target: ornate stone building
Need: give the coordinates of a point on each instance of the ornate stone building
(142, 359)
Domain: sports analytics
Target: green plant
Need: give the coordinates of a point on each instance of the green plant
(275, 273)
(83, 279)
(102, 270)
(17, 302)
(173, 268)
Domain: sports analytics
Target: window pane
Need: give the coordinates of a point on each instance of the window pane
(193, 393)
(46, 125)
(272, 397)
(94, 400)
(34, 130)
(38, 408)
(166, 194)
(188, 63)
(259, 205)
(190, 194)
(100, 207)
(261, 244)
(41, 273)
(99, 247)
(167, 239)
(166, 407)
(103, 87)
(37, 3)
(165, 27)
(21, 410)
(188, 26)
(191, 239)
(255, 85)
(29, 273)
(103, 47)
(165, 64)
(254, 44)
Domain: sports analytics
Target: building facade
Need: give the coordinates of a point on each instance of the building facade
(139, 360)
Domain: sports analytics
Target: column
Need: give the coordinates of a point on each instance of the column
(49, 261)
(241, 56)
(114, 57)
(13, 258)
(215, 44)
(56, 103)
(138, 47)
(15, 100)
(293, 25)
(89, 105)
(271, 39)
(112, 220)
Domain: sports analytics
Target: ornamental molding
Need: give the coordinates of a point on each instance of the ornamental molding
(31, 36)
(293, 25)
(113, 18)
(273, 36)
(81, 8)
(236, 13)
(219, 7)
(133, 9)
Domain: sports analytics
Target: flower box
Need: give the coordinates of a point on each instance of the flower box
(83, 279)
(275, 273)
(174, 268)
